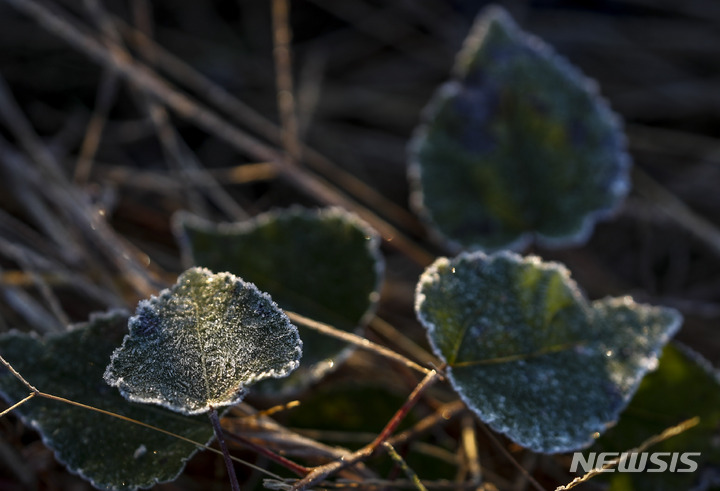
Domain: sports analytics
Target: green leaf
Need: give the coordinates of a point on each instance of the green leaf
(198, 344)
(684, 386)
(109, 452)
(519, 145)
(348, 408)
(323, 264)
(529, 354)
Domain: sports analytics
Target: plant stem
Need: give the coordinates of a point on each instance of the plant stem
(405, 409)
(667, 433)
(533, 482)
(154, 428)
(323, 471)
(215, 420)
(282, 51)
(18, 404)
(278, 459)
(187, 108)
(17, 375)
(406, 468)
(37, 393)
(356, 340)
(392, 334)
(246, 116)
(443, 414)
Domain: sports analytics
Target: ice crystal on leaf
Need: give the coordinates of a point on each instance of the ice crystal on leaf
(530, 354)
(200, 343)
(111, 453)
(324, 264)
(518, 145)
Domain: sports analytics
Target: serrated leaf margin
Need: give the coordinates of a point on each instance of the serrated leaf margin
(34, 424)
(431, 274)
(114, 381)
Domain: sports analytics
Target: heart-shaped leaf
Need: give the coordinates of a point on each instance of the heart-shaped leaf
(109, 452)
(518, 145)
(323, 264)
(530, 354)
(198, 344)
(685, 385)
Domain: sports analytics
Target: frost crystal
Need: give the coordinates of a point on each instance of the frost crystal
(324, 264)
(198, 344)
(530, 354)
(519, 145)
(111, 453)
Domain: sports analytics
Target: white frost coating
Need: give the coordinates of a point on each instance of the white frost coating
(432, 275)
(140, 451)
(552, 401)
(182, 347)
(181, 218)
(48, 437)
(649, 362)
(619, 188)
(328, 220)
(414, 173)
(699, 360)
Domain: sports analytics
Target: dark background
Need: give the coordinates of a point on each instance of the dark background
(363, 72)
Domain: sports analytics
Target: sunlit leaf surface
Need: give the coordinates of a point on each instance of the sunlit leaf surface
(518, 145)
(530, 354)
(324, 264)
(198, 344)
(109, 452)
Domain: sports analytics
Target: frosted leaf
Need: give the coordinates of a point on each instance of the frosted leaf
(108, 452)
(685, 385)
(199, 343)
(519, 145)
(324, 264)
(529, 354)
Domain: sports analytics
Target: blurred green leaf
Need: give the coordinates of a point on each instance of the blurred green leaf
(323, 264)
(530, 354)
(199, 343)
(684, 386)
(109, 452)
(518, 145)
(347, 408)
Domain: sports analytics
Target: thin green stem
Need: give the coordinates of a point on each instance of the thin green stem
(405, 467)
